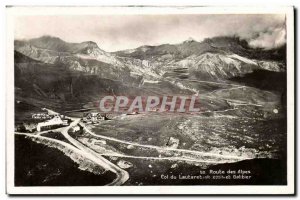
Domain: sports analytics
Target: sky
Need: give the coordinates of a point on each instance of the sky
(120, 32)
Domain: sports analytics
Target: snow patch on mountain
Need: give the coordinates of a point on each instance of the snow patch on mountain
(243, 59)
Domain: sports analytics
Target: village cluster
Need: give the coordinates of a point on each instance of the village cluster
(43, 121)
(47, 120)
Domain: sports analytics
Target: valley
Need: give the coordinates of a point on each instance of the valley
(242, 117)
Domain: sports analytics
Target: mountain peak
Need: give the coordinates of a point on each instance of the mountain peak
(47, 38)
(190, 40)
(90, 44)
(56, 44)
(50, 43)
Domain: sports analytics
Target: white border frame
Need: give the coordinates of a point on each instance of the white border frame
(13, 12)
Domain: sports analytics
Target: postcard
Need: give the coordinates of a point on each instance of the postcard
(150, 100)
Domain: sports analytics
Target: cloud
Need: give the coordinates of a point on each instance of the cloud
(274, 37)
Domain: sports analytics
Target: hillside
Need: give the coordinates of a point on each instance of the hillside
(50, 69)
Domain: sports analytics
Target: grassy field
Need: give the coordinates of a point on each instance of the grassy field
(255, 137)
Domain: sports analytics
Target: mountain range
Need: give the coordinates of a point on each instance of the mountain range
(50, 68)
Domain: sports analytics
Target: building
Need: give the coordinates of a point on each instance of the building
(55, 122)
(65, 122)
(41, 116)
(75, 129)
(93, 117)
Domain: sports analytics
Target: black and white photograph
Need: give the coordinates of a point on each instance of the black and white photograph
(102, 98)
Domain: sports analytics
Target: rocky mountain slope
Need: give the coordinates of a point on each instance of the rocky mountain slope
(48, 67)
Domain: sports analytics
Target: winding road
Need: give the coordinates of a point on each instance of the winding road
(122, 175)
(84, 151)
(165, 148)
